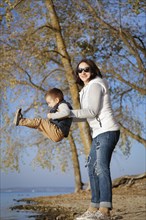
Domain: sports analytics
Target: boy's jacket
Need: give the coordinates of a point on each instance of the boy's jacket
(65, 123)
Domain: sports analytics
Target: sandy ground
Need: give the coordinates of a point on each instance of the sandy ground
(129, 203)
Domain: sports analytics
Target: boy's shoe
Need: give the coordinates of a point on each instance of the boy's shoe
(100, 216)
(87, 216)
(18, 117)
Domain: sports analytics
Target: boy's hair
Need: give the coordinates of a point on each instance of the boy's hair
(55, 93)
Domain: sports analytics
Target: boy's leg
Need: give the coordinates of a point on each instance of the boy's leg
(47, 128)
(30, 123)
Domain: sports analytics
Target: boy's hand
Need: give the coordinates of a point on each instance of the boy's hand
(49, 115)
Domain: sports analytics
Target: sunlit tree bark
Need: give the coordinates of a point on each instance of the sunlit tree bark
(84, 131)
(76, 165)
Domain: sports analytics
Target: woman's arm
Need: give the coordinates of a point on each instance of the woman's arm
(78, 119)
(94, 103)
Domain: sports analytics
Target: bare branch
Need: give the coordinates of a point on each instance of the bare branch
(142, 91)
(53, 59)
(54, 51)
(124, 35)
(18, 3)
(20, 82)
(121, 96)
(134, 136)
(56, 61)
(49, 75)
(132, 46)
(30, 80)
(48, 26)
(142, 43)
(126, 58)
(11, 8)
(32, 106)
(101, 21)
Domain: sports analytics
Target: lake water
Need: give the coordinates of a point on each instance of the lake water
(8, 197)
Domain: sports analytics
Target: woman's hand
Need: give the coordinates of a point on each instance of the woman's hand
(49, 115)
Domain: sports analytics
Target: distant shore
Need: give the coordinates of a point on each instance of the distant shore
(129, 203)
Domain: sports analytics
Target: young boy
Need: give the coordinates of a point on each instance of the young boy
(57, 126)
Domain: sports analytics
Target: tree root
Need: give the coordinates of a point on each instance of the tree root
(127, 180)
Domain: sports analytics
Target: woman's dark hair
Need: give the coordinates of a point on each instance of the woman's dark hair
(94, 70)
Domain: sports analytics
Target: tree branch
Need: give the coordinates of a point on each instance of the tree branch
(42, 27)
(124, 35)
(53, 59)
(143, 48)
(29, 77)
(10, 9)
(134, 136)
(54, 51)
(121, 97)
(18, 3)
(32, 106)
(142, 91)
(126, 58)
(50, 75)
(112, 29)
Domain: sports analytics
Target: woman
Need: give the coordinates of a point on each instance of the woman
(96, 108)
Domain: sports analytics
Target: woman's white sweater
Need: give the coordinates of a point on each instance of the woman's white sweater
(96, 107)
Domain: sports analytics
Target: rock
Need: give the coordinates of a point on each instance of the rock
(61, 217)
(117, 217)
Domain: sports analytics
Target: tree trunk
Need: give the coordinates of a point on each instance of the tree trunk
(84, 130)
(76, 165)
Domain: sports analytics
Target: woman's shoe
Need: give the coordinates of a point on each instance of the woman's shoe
(18, 117)
(87, 216)
(100, 216)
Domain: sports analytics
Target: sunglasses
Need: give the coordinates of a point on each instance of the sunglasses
(86, 70)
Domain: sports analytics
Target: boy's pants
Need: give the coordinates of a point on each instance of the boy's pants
(47, 128)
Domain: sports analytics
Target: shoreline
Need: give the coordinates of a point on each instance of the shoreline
(128, 203)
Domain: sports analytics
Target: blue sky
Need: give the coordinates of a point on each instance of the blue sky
(28, 177)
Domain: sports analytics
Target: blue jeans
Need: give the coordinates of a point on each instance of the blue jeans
(99, 168)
